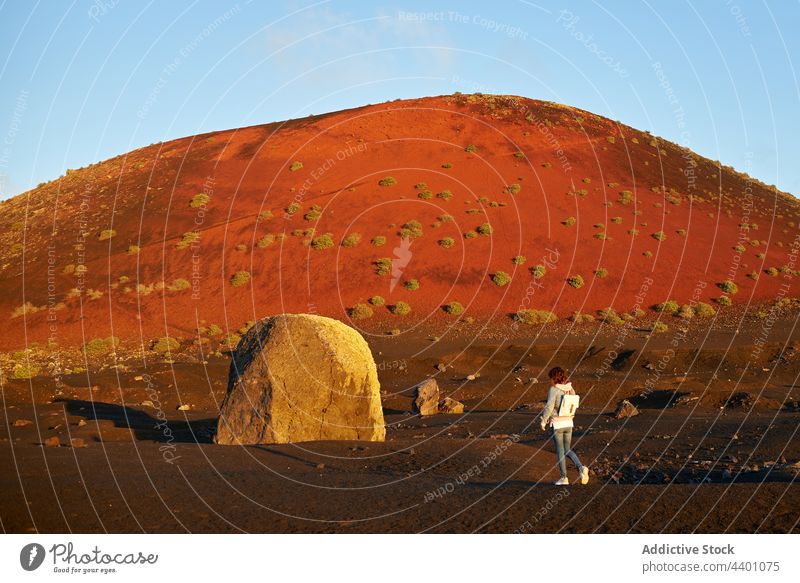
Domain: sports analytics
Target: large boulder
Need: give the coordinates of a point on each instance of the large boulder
(625, 409)
(300, 377)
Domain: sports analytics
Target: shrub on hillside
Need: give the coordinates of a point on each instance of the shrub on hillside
(240, 278)
(322, 242)
(295, 166)
(387, 181)
(360, 312)
(164, 345)
(575, 281)
(446, 242)
(453, 308)
(728, 287)
(400, 309)
(668, 307)
(199, 200)
(379, 241)
(538, 271)
(351, 240)
(501, 278)
(533, 317)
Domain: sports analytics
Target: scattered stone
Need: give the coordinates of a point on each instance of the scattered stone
(320, 466)
(471, 377)
(22, 422)
(183, 407)
(441, 367)
(782, 459)
(625, 409)
(147, 403)
(451, 406)
(54, 441)
(650, 366)
(78, 442)
(534, 381)
(301, 377)
(138, 378)
(427, 397)
(81, 423)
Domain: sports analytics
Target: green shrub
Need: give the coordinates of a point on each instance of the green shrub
(739, 248)
(659, 327)
(616, 220)
(199, 200)
(723, 301)
(579, 318)
(446, 218)
(485, 229)
(728, 287)
(518, 260)
(106, 234)
(411, 285)
(471, 148)
(101, 346)
(569, 221)
(292, 208)
(532, 317)
(213, 330)
(470, 235)
(648, 253)
(314, 213)
(400, 309)
(519, 154)
(240, 278)
(295, 166)
(382, 266)
(686, 312)
(513, 188)
(625, 197)
(411, 230)
(601, 273)
(421, 186)
(633, 232)
(659, 236)
(264, 216)
(180, 284)
(377, 300)
(24, 370)
(447, 165)
(164, 345)
(425, 194)
(188, 239)
(379, 241)
(501, 278)
(538, 271)
(387, 181)
(453, 308)
(704, 310)
(575, 281)
(322, 242)
(445, 195)
(601, 236)
(133, 249)
(772, 272)
(351, 240)
(681, 232)
(360, 312)
(668, 307)
(265, 241)
(753, 275)
(446, 242)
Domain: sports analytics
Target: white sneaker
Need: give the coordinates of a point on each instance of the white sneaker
(562, 482)
(584, 475)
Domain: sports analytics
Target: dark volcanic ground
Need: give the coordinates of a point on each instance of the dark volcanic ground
(707, 453)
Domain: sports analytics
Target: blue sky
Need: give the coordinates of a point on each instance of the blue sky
(82, 81)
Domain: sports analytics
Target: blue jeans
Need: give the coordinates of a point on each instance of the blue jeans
(563, 439)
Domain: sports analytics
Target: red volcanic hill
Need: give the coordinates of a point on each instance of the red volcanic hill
(212, 231)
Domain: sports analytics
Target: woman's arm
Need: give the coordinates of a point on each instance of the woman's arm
(549, 406)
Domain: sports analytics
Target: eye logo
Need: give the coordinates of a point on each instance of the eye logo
(31, 556)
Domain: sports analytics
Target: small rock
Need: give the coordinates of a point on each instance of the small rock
(470, 377)
(81, 423)
(320, 466)
(625, 409)
(782, 459)
(22, 422)
(441, 367)
(78, 442)
(451, 406)
(138, 378)
(53, 441)
(427, 397)
(183, 407)
(534, 381)
(650, 366)
(147, 403)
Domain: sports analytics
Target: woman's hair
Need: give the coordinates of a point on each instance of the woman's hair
(558, 375)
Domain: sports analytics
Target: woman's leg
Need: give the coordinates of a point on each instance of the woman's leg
(558, 439)
(568, 449)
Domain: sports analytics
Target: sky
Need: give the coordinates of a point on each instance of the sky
(84, 80)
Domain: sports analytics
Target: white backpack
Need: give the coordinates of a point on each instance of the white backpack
(568, 406)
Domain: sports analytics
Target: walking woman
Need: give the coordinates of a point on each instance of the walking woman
(560, 421)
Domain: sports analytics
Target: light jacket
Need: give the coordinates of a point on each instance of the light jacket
(554, 396)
